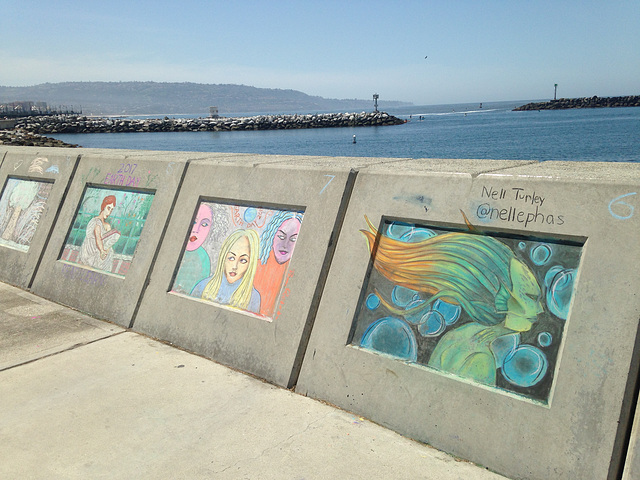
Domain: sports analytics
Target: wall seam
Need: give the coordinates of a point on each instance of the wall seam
(322, 280)
(159, 246)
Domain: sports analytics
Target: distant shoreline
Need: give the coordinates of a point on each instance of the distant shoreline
(141, 98)
(584, 102)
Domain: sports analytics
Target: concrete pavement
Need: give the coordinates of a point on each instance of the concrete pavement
(83, 398)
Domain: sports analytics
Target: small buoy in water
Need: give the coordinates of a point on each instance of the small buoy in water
(354, 139)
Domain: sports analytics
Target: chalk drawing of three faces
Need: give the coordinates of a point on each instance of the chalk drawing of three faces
(238, 260)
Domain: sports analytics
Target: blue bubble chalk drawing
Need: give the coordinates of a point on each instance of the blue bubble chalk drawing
(490, 309)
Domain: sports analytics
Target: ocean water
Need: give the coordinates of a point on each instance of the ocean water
(492, 131)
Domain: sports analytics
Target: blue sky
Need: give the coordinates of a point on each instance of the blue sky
(476, 50)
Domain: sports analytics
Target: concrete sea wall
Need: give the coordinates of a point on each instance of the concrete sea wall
(487, 308)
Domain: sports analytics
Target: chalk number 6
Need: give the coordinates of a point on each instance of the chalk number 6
(618, 203)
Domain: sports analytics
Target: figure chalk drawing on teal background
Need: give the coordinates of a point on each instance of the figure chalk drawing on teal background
(107, 229)
(96, 250)
(465, 303)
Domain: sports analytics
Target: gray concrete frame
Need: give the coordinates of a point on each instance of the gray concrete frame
(270, 350)
(18, 267)
(583, 430)
(101, 294)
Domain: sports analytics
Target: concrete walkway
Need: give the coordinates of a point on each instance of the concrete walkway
(85, 399)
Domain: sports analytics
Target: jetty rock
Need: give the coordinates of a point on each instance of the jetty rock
(584, 102)
(22, 138)
(81, 124)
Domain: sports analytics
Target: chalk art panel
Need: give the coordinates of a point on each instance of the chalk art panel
(489, 309)
(107, 229)
(21, 206)
(238, 256)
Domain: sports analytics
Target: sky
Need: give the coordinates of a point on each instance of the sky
(424, 52)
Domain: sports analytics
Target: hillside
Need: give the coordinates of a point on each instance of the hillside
(139, 98)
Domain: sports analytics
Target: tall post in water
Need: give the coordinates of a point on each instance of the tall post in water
(555, 90)
(375, 102)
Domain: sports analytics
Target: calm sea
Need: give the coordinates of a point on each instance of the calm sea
(492, 131)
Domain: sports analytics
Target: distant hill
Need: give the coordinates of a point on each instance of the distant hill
(140, 98)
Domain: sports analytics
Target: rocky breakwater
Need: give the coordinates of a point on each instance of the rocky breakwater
(21, 138)
(585, 102)
(81, 124)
